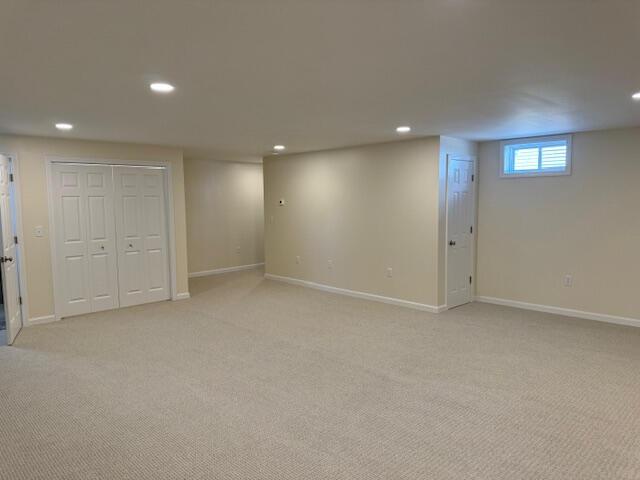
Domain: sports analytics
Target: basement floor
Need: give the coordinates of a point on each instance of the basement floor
(254, 379)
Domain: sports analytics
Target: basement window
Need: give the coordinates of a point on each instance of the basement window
(535, 157)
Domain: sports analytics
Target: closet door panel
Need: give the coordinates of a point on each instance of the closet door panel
(101, 238)
(72, 231)
(100, 273)
(141, 232)
(97, 219)
(132, 267)
(132, 283)
(155, 234)
(130, 217)
(157, 281)
(73, 294)
(76, 290)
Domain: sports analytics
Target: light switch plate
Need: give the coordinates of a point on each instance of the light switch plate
(39, 231)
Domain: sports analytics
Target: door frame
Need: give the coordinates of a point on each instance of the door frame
(22, 269)
(168, 195)
(474, 200)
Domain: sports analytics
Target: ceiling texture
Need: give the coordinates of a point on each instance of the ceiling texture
(315, 74)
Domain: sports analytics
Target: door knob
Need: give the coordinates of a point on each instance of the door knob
(452, 243)
(101, 247)
(131, 245)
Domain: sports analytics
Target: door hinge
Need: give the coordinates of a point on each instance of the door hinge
(470, 278)
(11, 177)
(470, 230)
(20, 300)
(15, 239)
(473, 177)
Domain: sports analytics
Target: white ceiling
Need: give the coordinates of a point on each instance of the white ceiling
(316, 74)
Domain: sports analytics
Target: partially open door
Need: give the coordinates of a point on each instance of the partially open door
(460, 219)
(9, 259)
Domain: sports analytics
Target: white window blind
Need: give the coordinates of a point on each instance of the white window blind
(536, 156)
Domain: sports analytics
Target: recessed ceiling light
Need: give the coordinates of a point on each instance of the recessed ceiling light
(279, 148)
(636, 96)
(403, 129)
(64, 126)
(161, 87)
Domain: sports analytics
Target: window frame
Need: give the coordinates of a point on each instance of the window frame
(535, 142)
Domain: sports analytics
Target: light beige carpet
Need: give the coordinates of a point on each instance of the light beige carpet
(254, 379)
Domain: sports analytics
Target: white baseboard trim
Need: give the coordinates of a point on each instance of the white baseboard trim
(182, 296)
(352, 293)
(568, 312)
(217, 271)
(40, 320)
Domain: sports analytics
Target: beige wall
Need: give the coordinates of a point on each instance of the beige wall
(225, 216)
(366, 208)
(533, 231)
(31, 153)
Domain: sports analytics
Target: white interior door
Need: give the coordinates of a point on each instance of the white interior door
(85, 256)
(141, 225)
(9, 259)
(460, 220)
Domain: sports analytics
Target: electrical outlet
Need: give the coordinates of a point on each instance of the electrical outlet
(389, 272)
(330, 264)
(39, 231)
(297, 259)
(567, 281)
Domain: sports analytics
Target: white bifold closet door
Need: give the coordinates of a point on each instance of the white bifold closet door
(85, 239)
(143, 266)
(110, 237)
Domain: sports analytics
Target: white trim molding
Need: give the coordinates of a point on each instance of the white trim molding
(218, 271)
(182, 296)
(352, 293)
(567, 312)
(40, 320)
